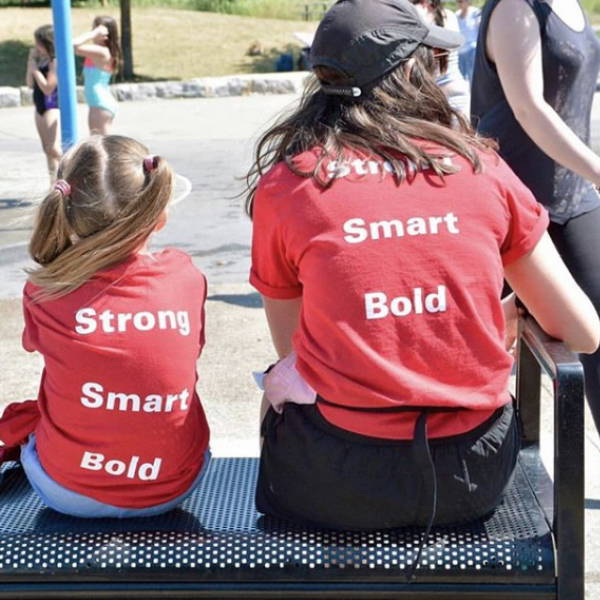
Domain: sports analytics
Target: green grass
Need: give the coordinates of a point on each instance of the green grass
(267, 9)
(167, 43)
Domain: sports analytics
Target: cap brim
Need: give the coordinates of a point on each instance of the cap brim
(439, 37)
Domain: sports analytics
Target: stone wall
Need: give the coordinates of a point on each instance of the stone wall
(202, 87)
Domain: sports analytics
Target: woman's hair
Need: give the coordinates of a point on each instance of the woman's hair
(439, 16)
(394, 117)
(114, 203)
(44, 36)
(113, 39)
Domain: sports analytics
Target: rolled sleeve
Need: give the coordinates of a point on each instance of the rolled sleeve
(273, 272)
(528, 222)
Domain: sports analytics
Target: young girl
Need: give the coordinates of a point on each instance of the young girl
(117, 429)
(41, 75)
(102, 53)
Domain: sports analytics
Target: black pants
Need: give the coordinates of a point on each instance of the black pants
(316, 473)
(578, 242)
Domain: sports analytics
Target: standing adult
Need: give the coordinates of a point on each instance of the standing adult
(41, 76)
(102, 53)
(534, 81)
(450, 79)
(468, 21)
(382, 230)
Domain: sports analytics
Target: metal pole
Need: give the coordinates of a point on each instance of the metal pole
(65, 62)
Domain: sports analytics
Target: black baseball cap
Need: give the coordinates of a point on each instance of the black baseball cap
(365, 39)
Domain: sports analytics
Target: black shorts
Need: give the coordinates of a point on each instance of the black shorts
(316, 473)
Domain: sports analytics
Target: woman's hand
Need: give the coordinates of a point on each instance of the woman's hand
(284, 384)
(511, 318)
(32, 59)
(100, 34)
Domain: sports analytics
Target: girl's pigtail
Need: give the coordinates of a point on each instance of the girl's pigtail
(51, 234)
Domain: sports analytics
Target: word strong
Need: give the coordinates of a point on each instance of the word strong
(95, 461)
(377, 305)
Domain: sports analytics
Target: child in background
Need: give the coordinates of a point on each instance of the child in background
(41, 76)
(102, 53)
(117, 429)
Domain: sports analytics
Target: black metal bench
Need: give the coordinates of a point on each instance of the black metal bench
(217, 546)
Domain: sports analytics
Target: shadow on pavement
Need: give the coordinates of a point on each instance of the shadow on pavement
(251, 300)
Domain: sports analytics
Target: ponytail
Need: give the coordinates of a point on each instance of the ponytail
(115, 199)
(51, 232)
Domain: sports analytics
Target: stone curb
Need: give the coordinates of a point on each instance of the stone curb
(201, 87)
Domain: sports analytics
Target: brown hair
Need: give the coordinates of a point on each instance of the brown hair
(44, 36)
(392, 118)
(439, 17)
(113, 206)
(113, 40)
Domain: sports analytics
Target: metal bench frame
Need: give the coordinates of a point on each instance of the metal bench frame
(220, 526)
(539, 352)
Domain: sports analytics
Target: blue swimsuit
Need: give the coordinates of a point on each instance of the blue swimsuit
(96, 90)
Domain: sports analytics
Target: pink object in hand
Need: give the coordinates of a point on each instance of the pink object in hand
(283, 383)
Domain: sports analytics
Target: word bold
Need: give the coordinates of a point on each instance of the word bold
(377, 306)
(94, 461)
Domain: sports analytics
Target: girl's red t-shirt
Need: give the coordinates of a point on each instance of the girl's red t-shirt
(400, 285)
(121, 421)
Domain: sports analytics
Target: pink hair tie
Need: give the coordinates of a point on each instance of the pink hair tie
(150, 163)
(63, 187)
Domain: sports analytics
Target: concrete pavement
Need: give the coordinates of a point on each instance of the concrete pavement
(208, 141)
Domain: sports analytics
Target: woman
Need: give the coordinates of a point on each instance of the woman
(468, 18)
(382, 231)
(41, 76)
(450, 78)
(102, 53)
(534, 95)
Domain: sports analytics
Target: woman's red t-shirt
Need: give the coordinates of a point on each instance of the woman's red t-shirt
(121, 421)
(400, 285)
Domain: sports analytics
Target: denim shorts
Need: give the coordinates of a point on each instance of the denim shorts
(72, 503)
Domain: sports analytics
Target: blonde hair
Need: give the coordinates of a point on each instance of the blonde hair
(114, 204)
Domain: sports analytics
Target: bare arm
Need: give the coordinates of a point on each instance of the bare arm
(547, 288)
(31, 68)
(46, 84)
(89, 45)
(283, 317)
(519, 66)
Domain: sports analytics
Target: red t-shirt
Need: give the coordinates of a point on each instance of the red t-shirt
(400, 285)
(121, 421)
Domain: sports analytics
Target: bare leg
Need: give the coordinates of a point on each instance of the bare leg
(47, 127)
(99, 120)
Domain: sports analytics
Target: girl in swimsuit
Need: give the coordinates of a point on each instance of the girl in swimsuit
(102, 53)
(41, 76)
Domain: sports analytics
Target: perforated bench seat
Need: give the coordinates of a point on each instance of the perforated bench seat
(217, 545)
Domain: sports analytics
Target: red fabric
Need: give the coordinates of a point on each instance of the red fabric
(365, 241)
(18, 421)
(120, 420)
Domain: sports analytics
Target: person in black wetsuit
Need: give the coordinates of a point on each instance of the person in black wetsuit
(535, 76)
(41, 75)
